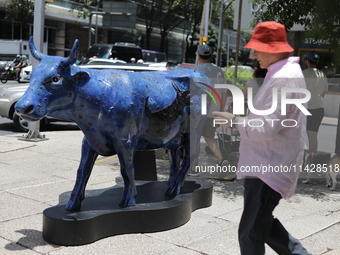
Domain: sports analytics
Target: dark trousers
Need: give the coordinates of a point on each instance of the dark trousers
(258, 226)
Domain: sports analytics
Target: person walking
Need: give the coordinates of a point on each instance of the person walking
(216, 75)
(266, 145)
(317, 84)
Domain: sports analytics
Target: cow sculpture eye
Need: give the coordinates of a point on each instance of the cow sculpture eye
(55, 79)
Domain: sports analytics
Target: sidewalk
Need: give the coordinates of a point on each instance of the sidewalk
(35, 174)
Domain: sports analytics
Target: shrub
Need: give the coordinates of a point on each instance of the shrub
(242, 76)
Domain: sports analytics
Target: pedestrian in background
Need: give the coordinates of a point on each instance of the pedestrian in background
(270, 145)
(317, 84)
(216, 76)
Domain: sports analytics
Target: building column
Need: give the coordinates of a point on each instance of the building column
(60, 39)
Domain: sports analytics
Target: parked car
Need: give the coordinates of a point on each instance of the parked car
(154, 56)
(9, 95)
(184, 66)
(128, 52)
(25, 74)
(98, 63)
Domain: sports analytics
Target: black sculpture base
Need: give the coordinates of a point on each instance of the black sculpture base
(100, 215)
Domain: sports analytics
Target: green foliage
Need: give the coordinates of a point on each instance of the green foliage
(320, 18)
(132, 35)
(21, 11)
(84, 7)
(229, 16)
(242, 76)
(285, 12)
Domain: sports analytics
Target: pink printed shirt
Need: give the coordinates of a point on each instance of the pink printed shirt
(272, 145)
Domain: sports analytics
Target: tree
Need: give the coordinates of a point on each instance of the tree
(285, 12)
(171, 16)
(133, 36)
(84, 7)
(193, 17)
(21, 11)
(149, 12)
(320, 18)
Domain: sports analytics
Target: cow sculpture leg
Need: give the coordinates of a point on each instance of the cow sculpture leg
(175, 160)
(88, 157)
(176, 178)
(126, 159)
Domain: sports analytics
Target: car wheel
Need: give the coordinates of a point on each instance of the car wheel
(20, 124)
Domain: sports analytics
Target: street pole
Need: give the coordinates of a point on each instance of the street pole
(96, 30)
(238, 39)
(38, 37)
(204, 24)
(228, 49)
(38, 26)
(224, 6)
(220, 35)
(90, 25)
(207, 16)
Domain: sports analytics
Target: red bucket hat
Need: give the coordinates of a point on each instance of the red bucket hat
(270, 37)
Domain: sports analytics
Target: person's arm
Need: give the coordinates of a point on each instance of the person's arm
(245, 91)
(224, 100)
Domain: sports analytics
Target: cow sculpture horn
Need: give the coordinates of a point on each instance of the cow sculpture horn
(69, 61)
(73, 55)
(35, 53)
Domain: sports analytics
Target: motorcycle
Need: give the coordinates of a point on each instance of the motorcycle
(9, 74)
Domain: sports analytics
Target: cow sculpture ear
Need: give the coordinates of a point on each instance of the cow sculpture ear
(81, 78)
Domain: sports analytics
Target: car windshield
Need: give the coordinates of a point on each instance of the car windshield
(98, 51)
(153, 56)
(126, 53)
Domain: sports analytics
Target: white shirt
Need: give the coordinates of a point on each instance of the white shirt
(317, 84)
(268, 149)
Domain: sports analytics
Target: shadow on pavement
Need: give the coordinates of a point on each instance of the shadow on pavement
(31, 236)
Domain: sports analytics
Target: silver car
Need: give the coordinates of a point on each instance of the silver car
(9, 95)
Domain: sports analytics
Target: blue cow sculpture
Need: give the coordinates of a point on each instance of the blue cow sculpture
(119, 112)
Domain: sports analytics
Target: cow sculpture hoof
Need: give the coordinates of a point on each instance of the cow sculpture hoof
(173, 190)
(125, 202)
(73, 206)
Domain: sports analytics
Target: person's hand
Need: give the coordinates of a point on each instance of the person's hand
(223, 118)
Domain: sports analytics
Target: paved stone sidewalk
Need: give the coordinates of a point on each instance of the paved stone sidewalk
(35, 174)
